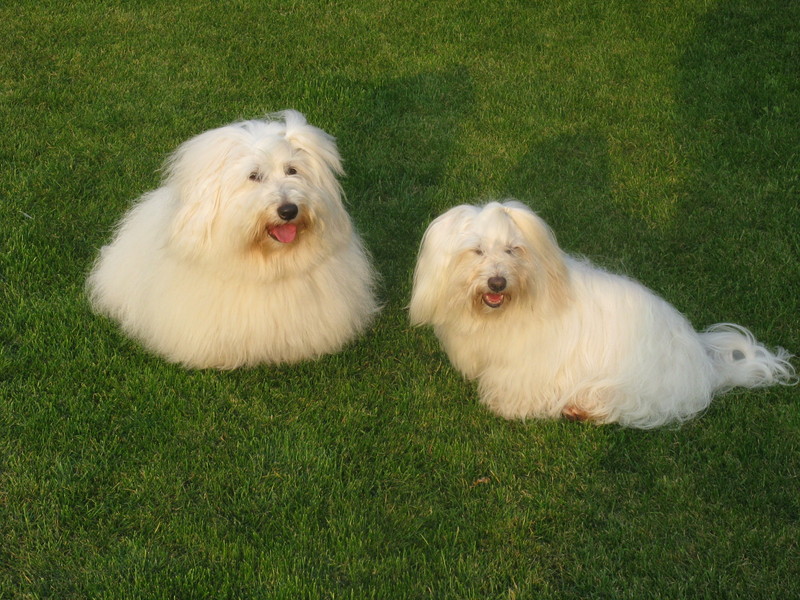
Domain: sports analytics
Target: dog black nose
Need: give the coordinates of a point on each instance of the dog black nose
(497, 283)
(287, 211)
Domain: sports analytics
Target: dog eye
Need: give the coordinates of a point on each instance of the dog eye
(256, 176)
(511, 250)
(290, 171)
(478, 251)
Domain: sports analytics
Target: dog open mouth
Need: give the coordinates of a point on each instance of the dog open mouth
(493, 300)
(285, 234)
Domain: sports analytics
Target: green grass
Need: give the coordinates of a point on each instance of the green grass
(659, 140)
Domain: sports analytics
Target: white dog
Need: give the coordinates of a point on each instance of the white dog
(245, 255)
(549, 335)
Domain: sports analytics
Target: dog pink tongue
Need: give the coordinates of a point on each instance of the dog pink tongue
(284, 233)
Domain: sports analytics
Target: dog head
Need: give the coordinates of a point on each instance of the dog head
(486, 261)
(257, 189)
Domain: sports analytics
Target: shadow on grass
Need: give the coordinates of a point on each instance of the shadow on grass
(399, 142)
(738, 93)
(566, 179)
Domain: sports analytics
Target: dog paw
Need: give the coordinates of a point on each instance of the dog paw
(573, 413)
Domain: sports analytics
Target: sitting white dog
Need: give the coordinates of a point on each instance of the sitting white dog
(549, 335)
(245, 255)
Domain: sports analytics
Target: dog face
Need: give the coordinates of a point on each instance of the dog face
(486, 261)
(257, 189)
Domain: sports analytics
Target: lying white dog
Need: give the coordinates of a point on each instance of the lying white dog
(549, 335)
(245, 255)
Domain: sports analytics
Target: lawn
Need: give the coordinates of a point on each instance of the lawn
(659, 139)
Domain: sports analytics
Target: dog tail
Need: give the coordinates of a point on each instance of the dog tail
(741, 361)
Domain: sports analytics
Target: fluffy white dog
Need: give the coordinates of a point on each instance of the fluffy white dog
(549, 335)
(245, 255)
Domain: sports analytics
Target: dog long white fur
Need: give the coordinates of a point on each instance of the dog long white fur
(549, 335)
(245, 255)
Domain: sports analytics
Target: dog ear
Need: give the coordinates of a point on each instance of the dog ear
(318, 145)
(431, 275)
(196, 174)
(542, 242)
